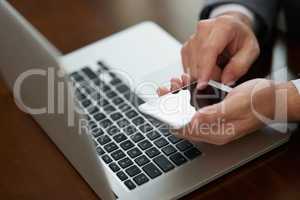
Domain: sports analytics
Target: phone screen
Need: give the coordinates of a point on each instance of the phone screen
(178, 108)
(204, 97)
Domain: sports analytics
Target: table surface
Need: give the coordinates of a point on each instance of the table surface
(32, 167)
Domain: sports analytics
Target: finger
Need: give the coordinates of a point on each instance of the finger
(186, 79)
(187, 55)
(176, 84)
(184, 57)
(162, 91)
(192, 58)
(216, 74)
(210, 48)
(240, 63)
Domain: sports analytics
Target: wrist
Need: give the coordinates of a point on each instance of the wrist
(289, 91)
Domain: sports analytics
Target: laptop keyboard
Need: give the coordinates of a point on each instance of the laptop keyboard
(137, 148)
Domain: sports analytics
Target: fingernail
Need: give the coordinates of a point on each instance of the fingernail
(201, 85)
(228, 79)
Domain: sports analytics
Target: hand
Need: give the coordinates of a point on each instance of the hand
(237, 115)
(225, 39)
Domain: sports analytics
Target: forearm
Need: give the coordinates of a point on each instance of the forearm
(293, 100)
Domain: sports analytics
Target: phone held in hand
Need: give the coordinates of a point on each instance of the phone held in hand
(177, 108)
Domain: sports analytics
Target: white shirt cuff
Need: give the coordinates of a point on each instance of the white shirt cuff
(233, 8)
(297, 84)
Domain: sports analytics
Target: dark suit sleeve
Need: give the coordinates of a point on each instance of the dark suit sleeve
(265, 10)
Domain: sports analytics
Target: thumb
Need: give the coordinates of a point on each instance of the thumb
(209, 114)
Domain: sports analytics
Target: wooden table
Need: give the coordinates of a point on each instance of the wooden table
(31, 167)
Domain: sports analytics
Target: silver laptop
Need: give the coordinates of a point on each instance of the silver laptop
(121, 153)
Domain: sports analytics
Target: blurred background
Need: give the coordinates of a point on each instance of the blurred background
(65, 24)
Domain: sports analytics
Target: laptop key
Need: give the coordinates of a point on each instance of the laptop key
(110, 147)
(120, 138)
(123, 88)
(100, 151)
(161, 142)
(124, 107)
(168, 150)
(154, 122)
(99, 116)
(105, 88)
(109, 109)
(178, 159)
(123, 123)
(138, 121)
(93, 110)
(174, 139)
(130, 185)
(125, 162)
(129, 130)
(152, 152)
(128, 96)
(93, 126)
(97, 132)
(142, 160)
(184, 145)
(103, 66)
(133, 171)
(115, 81)
(111, 94)
(116, 116)
(102, 102)
(126, 145)
(122, 176)
(145, 144)
(106, 159)
(103, 139)
(137, 137)
(113, 75)
(89, 73)
(86, 103)
(113, 130)
(79, 95)
(135, 152)
(77, 77)
(118, 100)
(91, 121)
(140, 179)
(117, 155)
(146, 128)
(151, 170)
(87, 88)
(165, 131)
(97, 82)
(96, 96)
(163, 163)
(105, 123)
(114, 167)
(153, 135)
(131, 114)
(192, 153)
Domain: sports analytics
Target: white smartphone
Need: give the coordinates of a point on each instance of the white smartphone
(177, 108)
